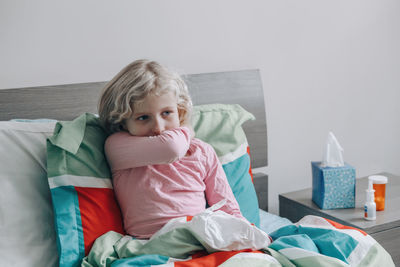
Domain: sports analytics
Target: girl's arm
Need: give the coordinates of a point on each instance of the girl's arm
(126, 151)
(217, 186)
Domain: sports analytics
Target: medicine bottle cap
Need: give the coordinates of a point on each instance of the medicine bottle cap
(378, 179)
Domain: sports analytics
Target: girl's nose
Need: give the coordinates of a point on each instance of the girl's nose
(158, 127)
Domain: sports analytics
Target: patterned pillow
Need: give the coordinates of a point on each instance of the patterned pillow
(80, 182)
(220, 125)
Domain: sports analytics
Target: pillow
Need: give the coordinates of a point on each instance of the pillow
(27, 233)
(220, 125)
(80, 181)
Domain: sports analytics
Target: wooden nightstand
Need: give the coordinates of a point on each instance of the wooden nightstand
(385, 229)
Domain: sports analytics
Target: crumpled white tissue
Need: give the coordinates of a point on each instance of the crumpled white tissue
(333, 156)
(218, 231)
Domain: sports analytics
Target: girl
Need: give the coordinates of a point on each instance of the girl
(160, 171)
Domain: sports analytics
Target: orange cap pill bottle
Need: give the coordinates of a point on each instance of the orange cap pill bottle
(379, 184)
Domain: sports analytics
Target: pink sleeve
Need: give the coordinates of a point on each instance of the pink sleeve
(217, 186)
(126, 151)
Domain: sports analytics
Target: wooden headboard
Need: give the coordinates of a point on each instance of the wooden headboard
(65, 102)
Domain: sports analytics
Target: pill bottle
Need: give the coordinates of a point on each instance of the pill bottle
(379, 184)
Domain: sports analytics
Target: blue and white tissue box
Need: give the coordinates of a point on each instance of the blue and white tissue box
(333, 187)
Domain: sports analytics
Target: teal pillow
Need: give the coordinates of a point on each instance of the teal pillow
(220, 125)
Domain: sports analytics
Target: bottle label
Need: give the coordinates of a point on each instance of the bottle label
(369, 212)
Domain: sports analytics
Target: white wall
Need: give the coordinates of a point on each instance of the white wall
(325, 65)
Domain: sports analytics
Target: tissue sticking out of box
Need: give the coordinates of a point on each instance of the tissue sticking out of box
(333, 152)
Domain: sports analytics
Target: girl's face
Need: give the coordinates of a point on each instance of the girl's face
(154, 115)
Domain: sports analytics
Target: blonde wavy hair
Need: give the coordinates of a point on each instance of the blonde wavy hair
(132, 84)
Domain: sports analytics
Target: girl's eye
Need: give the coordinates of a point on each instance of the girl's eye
(142, 118)
(166, 113)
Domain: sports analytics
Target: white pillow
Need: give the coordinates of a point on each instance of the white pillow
(27, 232)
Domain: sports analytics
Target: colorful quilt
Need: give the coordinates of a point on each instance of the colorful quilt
(215, 238)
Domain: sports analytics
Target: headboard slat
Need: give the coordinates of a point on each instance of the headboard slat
(66, 102)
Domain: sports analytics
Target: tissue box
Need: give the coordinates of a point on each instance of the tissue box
(333, 187)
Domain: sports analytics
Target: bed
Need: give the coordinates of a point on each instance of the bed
(30, 214)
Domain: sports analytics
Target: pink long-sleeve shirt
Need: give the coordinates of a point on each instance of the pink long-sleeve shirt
(163, 177)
